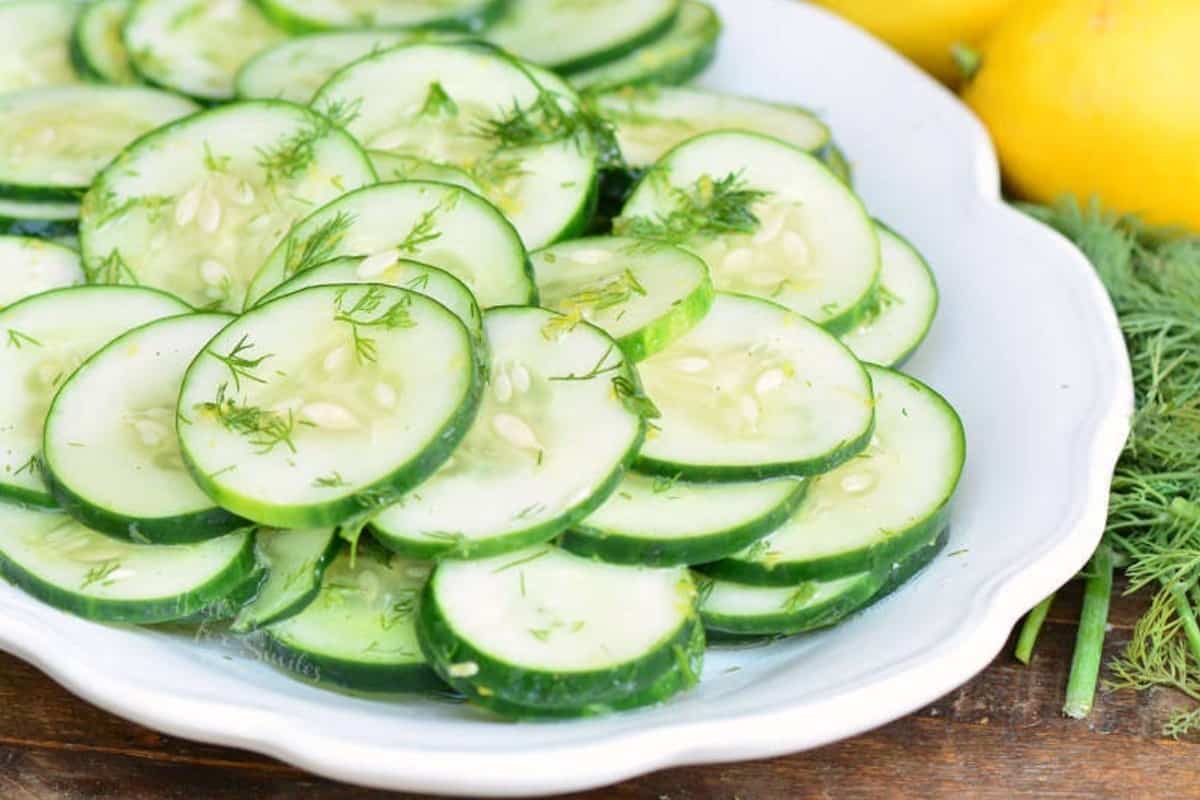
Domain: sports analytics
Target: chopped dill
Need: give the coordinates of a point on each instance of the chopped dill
(608, 293)
(522, 561)
(32, 465)
(333, 480)
(100, 574)
(113, 268)
(294, 153)
(18, 340)
(709, 207)
(362, 314)
(318, 247)
(631, 394)
(596, 371)
(424, 231)
(264, 429)
(438, 103)
(239, 364)
(663, 484)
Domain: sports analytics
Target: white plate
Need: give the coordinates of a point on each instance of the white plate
(1026, 346)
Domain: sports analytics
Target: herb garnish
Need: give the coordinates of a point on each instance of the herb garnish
(709, 207)
(359, 316)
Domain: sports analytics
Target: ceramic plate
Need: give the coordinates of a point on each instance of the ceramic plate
(1026, 347)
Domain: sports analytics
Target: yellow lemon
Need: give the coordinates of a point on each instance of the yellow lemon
(924, 30)
(1097, 97)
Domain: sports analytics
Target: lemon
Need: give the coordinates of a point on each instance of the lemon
(924, 30)
(1097, 98)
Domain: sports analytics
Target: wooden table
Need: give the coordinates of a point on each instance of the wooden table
(1000, 736)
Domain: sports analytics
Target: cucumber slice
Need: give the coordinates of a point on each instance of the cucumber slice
(652, 120)
(391, 167)
(678, 55)
(771, 221)
(46, 337)
(551, 441)
(295, 562)
(195, 207)
(551, 632)
(906, 305)
(359, 632)
(282, 415)
(315, 15)
(35, 45)
(97, 46)
(33, 266)
(64, 564)
(296, 68)
(471, 107)
(665, 522)
(196, 47)
(575, 36)
(755, 391)
(446, 226)
(874, 508)
(110, 453)
(839, 164)
(743, 610)
(56, 140)
(644, 296)
(41, 220)
(412, 275)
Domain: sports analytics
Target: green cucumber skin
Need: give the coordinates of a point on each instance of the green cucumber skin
(803, 619)
(615, 186)
(39, 228)
(675, 72)
(26, 193)
(937, 302)
(724, 473)
(908, 567)
(138, 612)
(227, 607)
(244, 623)
(328, 672)
(658, 335)
(30, 498)
(879, 555)
(330, 514)
(619, 50)
(835, 158)
(498, 684)
(616, 548)
(298, 23)
(199, 526)
(681, 677)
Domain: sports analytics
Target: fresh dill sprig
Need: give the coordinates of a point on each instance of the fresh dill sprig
(18, 340)
(438, 103)
(362, 314)
(333, 480)
(100, 574)
(263, 428)
(495, 170)
(294, 153)
(239, 364)
(708, 207)
(552, 118)
(423, 231)
(113, 268)
(599, 369)
(318, 247)
(631, 394)
(608, 293)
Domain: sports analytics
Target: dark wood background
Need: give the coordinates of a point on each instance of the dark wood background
(1001, 736)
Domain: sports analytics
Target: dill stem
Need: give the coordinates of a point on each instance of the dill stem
(1187, 616)
(1031, 629)
(1089, 642)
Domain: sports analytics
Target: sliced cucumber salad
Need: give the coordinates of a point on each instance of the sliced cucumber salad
(447, 346)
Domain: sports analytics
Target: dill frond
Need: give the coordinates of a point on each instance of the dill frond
(709, 207)
(318, 247)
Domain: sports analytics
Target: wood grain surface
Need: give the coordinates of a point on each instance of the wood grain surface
(1000, 736)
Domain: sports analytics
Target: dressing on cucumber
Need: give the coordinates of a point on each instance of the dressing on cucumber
(436, 223)
(56, 140)
(681, 53)
(874, 508)
(644, 295)
(328, 403)
(359, 631)
(110, 452)
(64, 564)
(294, 562)
(195, 207)
(652, 120)
(46, 337)
(412, 275)
(769, 219)
(666, 521)
(904, 309)
(754, 391)
(30, 266)
(574, 36)
(35, 45)
(554, 634)
(472, 107)
(554, 433)
(296, 68)
(97, 46)
(195, 47)
(316, 15)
